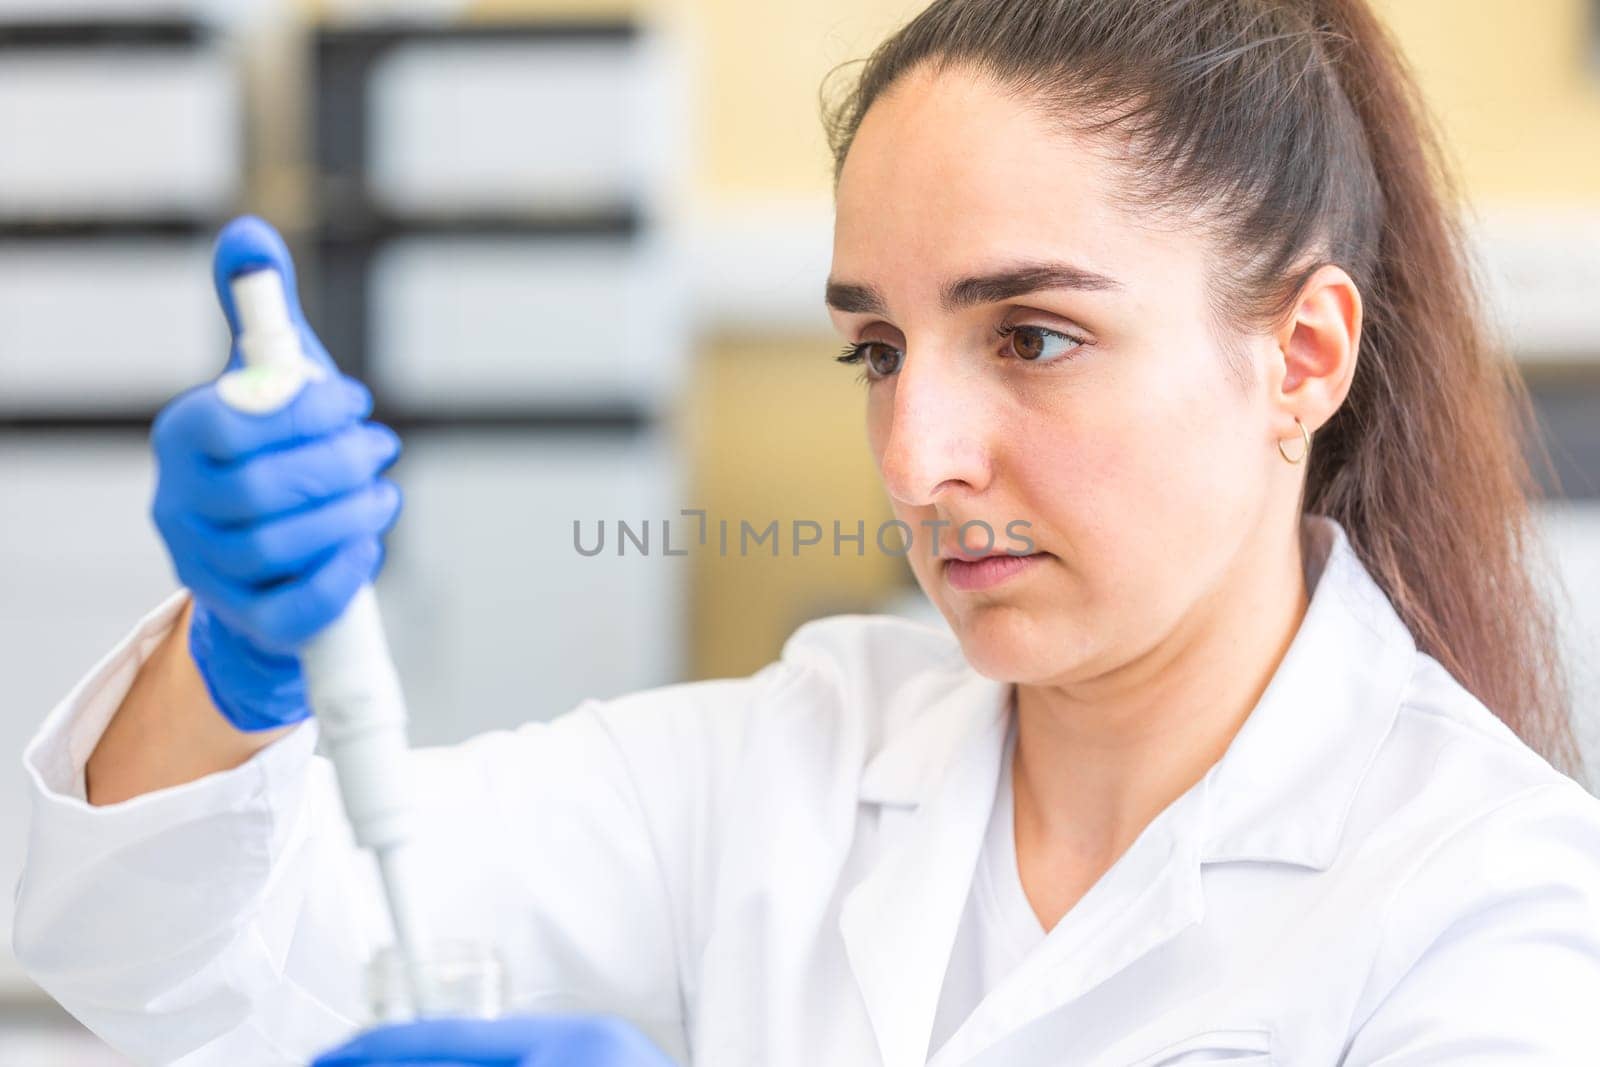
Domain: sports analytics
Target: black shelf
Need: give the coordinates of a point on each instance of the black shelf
(107, 228)
(360, 223)
(1565, 406)
(594, 418)
(75, 34)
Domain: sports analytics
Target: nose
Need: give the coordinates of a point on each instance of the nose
(936, 432)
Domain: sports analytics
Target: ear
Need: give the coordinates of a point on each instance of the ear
(1319, 342)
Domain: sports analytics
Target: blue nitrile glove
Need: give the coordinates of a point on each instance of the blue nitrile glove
(272, 521)
(517, 1041)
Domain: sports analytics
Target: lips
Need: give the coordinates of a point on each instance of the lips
(957, 552)
(988, 571)
(992, 539)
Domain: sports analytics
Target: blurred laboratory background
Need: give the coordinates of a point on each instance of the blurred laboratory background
(577, 249)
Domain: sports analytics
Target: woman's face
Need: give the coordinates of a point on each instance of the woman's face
(1037, 355)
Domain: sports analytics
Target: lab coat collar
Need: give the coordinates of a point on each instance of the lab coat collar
(899, 923)
(1284, 787)
(1281, 792)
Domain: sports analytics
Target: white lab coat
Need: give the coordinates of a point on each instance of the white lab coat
(770, 870)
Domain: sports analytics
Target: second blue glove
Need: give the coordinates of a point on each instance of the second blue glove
(517, 1041)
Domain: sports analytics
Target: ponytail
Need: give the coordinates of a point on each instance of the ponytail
(1424, 463)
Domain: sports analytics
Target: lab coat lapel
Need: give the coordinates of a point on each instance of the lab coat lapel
(1150, 895)
(899, 923)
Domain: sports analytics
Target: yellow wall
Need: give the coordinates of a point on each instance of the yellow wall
(763, 65)
(1516, 86)
(1510, 79)
(777, 432)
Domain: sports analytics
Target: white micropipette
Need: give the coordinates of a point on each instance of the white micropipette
(353, 687)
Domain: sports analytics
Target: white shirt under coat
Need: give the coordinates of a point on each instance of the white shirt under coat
(771, 870)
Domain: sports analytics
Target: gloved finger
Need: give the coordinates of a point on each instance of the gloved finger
(485, 1042)
(527, 1041)
(227, 599)
(280, 618)
(282, 547)
(280, 481)
(359, 1060)
(247, 244)
(200, 421)
(597, 1039)
(285, 616)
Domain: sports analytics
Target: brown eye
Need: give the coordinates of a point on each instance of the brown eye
(1025, 344)
(882, 359)
(1035, 344)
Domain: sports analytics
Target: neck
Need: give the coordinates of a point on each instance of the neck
(1096, 762)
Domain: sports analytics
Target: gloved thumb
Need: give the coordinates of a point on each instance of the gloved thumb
(246, 244)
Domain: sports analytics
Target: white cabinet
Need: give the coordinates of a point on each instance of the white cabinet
(118, 133)
(493, 615)
(545, 125)
(500, 256)
(490, 323)
(106, 326)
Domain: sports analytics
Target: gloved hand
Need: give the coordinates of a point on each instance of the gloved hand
(518, 1041)
(272, 521)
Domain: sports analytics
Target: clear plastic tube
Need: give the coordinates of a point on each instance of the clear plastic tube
(463, 977)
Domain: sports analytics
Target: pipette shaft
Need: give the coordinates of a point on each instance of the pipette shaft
(353, 687)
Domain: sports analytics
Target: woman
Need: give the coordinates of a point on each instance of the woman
(1258, 756)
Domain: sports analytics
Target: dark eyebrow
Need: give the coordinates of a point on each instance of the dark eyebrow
(991, 288)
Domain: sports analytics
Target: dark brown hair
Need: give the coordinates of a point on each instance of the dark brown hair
(1293, 132)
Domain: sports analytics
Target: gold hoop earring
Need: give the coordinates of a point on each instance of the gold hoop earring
(1305, 435)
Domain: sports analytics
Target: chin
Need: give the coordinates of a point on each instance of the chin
(1005, 644)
